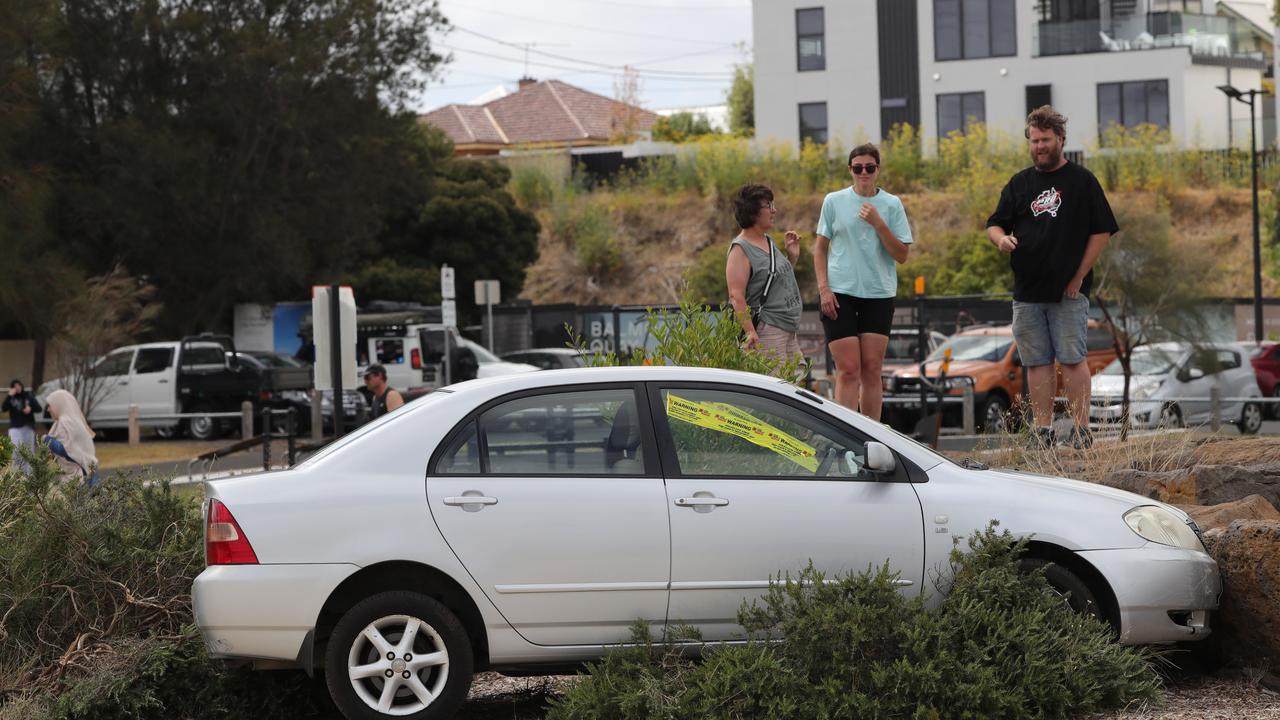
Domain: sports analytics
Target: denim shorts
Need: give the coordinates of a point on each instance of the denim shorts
(1048, 332)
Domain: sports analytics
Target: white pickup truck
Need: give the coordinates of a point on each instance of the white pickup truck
(164, 379)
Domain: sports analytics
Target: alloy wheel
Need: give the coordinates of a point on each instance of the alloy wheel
(398, 665)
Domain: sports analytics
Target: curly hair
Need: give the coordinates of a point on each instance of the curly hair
(1046, 118)
(747, 203)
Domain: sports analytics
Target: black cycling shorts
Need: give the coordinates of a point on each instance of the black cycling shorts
(857, 316)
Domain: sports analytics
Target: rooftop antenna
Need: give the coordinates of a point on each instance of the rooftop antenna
(528, 45)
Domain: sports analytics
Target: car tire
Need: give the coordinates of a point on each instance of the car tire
(1067, 585)
(1250, 419)
(202, 428)
(1171, 417)
(993, 415)
(377, 626)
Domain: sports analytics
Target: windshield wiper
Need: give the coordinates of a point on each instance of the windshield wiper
(971, 464)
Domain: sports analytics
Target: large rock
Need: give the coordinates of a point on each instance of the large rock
(1202, 484)
(1246, 627)
(1254, 507)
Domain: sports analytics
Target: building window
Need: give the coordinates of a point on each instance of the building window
(969, 29)
(813, 122)
(1130, 104)
(1038, 96)
(957, 111)
(811, 52)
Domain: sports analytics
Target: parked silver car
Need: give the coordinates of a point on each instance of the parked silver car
(447, 537)
(1172, 383)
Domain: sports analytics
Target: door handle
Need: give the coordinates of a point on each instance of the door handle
(163, 381)
(701, 501)
(464, 500)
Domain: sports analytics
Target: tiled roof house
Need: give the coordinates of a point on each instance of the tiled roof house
(539, 115)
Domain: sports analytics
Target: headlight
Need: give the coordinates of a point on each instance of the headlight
(1145, 391)
(959, 382)
(1161, 526)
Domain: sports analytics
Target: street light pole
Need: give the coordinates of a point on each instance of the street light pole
(1231, 92)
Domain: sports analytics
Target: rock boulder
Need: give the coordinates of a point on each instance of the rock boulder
(1246, 627)
(1253, 507)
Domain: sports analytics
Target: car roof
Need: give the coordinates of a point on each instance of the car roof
(544, 351)
(641, 373)
(988, 330)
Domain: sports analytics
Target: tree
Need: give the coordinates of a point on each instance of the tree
(1146, 292)
(741, 99)
(228, 151)
(682, 126)
(625, 122)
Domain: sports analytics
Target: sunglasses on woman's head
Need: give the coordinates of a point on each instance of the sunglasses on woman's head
(863, 169)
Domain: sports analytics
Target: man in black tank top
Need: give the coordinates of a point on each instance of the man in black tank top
(384, 398)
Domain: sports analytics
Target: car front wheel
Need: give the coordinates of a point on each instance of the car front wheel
(398, 654)
(993, 416)
(1066, 584)
(1250, 419)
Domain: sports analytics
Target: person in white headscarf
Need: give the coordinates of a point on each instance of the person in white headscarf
(70, 438)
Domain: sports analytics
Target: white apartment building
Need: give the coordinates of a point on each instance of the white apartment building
(851, 69)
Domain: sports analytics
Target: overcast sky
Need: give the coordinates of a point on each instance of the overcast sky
(684, 50)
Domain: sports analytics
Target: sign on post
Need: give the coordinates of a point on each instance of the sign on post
(449, 313)
(489, 293)
(446, 283)
(322, 335)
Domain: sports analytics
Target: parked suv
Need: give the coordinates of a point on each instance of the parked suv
(987, 357)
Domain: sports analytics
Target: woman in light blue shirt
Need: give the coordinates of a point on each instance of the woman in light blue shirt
(862, 235)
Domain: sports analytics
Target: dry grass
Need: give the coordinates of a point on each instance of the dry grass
(1207, 698)
(117, 455)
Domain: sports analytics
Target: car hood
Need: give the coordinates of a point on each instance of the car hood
(958, 368)
(1105, 496)
(1114, 384)
(495, 369)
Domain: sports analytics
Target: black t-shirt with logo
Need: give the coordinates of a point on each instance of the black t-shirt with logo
(16, 404)
(1052, 214)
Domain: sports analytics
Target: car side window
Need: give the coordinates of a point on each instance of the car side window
(718, 433)
(116, 363)
(1098, 339)
(1228, 360)
(586, 432)
(153, 360)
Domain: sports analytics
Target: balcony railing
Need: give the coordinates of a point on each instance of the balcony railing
(1205, 35)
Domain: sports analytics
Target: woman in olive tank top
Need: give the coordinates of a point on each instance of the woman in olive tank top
(761, 279)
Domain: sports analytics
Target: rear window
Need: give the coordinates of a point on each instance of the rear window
(203, 357)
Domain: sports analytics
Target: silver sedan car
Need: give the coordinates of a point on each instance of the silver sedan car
(529, 520)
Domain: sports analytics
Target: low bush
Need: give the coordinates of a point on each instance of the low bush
(95, 608)
(1000, 645)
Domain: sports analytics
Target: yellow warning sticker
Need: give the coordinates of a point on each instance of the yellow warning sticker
(730, 420)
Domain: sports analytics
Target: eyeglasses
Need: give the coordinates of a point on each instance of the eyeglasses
(869, 169)
(770, 206)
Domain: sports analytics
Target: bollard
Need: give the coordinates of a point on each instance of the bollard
(266, 438)
(135, 429)
(966, 411)
(317, 417)
(246, 420)
(1215, 409)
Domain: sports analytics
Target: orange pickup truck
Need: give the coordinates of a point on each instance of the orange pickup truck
(987, 356)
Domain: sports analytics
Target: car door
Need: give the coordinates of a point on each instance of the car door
(151, 384)
(109, 389)
(553, 501)
(758, 486)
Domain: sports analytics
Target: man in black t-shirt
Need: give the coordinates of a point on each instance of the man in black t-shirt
(1053, 220)
(23, 413)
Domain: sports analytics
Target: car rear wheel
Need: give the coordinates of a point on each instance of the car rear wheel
(1067, 585)
(398, 654)
(1250, 419)
(203, 428)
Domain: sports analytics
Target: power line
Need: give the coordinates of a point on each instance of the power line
(527, 47)
(722, 79)
(624, 33)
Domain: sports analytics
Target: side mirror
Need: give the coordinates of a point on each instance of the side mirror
(1196, 373)
(880, 458)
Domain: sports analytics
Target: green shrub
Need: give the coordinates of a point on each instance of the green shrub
(95, 606)
(999, 646)
(531, 187)
(696, 336)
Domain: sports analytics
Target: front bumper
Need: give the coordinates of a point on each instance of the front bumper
(262, 611)
(1142, 413)
(1164, 593)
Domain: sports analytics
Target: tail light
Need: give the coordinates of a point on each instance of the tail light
(264, 395)
(415, 358)
(224, 541)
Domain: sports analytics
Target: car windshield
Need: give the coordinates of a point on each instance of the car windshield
(975, 347)
(902, 347)
(1145, 361)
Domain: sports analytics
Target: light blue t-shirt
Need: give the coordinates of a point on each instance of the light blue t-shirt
(857, 263)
